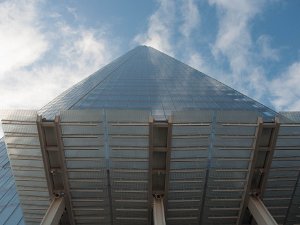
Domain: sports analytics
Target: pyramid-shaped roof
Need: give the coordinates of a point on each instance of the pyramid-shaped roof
(145, 78)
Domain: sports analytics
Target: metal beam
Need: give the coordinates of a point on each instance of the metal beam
(264, 145)
(260, 213)
(53, 157)
(54, 212)
(43, 144)
(150, 197)
(269, 159)
(158, 211)
(168, 158)
(251, 169)
(160, 136)
(63, 167)
(291, 200)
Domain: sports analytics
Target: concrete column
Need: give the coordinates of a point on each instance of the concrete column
(260, 213)
(54, 212)
(158, 211)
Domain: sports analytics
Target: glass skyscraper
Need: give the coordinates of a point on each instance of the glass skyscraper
(149, 140)
(147, 79)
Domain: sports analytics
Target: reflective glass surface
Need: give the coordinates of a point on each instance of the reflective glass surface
(293, 115)
(10, 210)
(145, 78)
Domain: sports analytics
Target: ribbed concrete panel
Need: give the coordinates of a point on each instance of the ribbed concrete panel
(195, 116)
(282, 191)
(26, 160)
(107, 160)
(83, 140)
(188, 166)
(229, 158)
(128, 142)
(237, 116)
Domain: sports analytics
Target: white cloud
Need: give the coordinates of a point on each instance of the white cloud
(201, 63)
(41, 64)
(267, 52)
(170, 18)
(21, 39)
(234, 38)
(237, 58)
(73, 12)
(35, 86)
(285, 89)
(191, 17)
(77, 52)
(196, 60)
(85, 48)
(234, 44)
(160, 28)
(42, 56)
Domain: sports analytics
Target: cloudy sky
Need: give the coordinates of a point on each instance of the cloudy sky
(47, 46)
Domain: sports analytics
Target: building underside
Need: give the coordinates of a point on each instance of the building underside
(126, 167)
(149, 140)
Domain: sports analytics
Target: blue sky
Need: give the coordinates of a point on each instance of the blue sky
(47, 46)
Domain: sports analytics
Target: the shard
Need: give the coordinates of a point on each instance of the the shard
(149, 140)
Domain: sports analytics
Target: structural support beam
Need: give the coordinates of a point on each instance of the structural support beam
(160, 134)
(54, 212)
(251, 168)
(158, 211)
(43, 144)
(261, 159)
(53, 157)
(260, 213)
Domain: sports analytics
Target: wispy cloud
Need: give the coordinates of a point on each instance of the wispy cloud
(266, 51)
(285, 89)
(190, 16)
(200, 62)
(245, 56)
(21, 39)
(237, 56)
(74, 13)
(171, 18)
(234, 39)
(34, 86)
(234, 44)
(190, 19)
(160, 27)
(39, 60)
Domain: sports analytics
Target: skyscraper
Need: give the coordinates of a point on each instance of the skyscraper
(149, 140)
(145, 78)
(10, 210)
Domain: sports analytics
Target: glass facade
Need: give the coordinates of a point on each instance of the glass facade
(145, 78)
(293, 115)
(10, 210)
